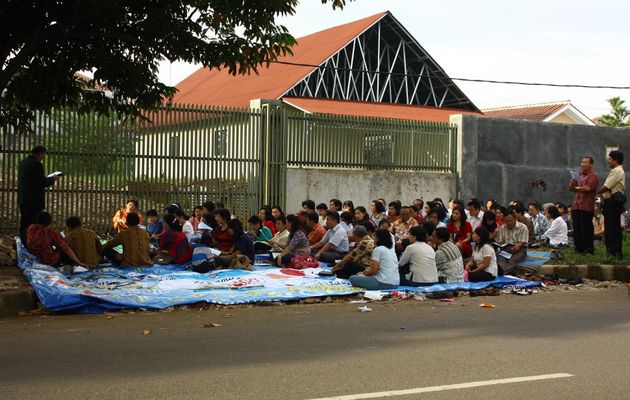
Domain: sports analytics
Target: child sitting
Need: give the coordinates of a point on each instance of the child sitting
(155, 225)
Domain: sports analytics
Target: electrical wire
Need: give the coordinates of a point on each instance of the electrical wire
(462, 79)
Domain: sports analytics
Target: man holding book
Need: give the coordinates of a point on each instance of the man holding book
(512, 241)
(32, 183)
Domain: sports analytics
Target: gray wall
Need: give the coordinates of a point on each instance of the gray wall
(363, 186)
(500, 158)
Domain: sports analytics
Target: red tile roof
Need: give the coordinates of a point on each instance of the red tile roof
(218, 87)
(371, 109)
(535, 112)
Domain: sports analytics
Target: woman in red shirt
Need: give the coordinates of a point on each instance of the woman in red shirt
(221, 237)
(175, 241)
(266, 216)
(500, 213)
(461, 231)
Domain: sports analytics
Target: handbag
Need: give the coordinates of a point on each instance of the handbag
(163, 258)
(204, 267)
(619, 198)
(304, 261)
(241, 262)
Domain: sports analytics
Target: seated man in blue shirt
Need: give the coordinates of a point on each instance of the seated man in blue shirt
(334, 245)
(155, 226)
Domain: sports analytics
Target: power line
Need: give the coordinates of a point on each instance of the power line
(462, 79)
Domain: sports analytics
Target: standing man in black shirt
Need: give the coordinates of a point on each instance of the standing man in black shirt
(32, 183)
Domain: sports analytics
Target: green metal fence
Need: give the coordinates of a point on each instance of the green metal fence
(372, 143)
(189, 154)
(184, 154)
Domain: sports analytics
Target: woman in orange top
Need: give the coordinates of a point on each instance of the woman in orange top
(120, 218)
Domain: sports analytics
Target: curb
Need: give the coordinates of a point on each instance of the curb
(596, 272)
(15, 301)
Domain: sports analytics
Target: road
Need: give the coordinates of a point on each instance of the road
(324, 350)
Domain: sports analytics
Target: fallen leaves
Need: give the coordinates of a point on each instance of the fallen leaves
(212, 325)
(487, 305)
(147, 332)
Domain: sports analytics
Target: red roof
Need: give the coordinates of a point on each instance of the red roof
(536, 112)
(218, 87)
(371, 109)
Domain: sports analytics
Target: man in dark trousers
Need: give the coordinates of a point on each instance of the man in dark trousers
(32, 183)
(583, 205)
(614, 198)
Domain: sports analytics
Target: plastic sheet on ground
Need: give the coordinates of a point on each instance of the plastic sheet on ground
(536, 257)
(163, 286)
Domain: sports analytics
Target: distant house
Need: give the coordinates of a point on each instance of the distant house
(562, 112)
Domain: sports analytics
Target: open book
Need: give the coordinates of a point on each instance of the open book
(203, 225)
(575, 175)
(56, 173)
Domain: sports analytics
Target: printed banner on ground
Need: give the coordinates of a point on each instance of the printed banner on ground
(162, 286)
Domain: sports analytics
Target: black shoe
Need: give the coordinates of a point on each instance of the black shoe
(447, 294)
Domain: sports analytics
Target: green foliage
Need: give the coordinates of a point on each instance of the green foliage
(45, 43)
(90, 144)
(619, 115)
(601, 257)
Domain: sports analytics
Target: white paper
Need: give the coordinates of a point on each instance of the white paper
(505, 254)
(202, 225)
(56, 173)
(575, 176)
(215, 252)
(373, 295)
(275, 254)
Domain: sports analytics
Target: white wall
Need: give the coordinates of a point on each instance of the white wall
(361, 186)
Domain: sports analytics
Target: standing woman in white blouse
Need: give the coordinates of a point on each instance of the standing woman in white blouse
(557, 233)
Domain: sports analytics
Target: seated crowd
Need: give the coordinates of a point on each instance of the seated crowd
(379, 247)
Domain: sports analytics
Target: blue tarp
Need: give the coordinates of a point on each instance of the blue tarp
(109, 288)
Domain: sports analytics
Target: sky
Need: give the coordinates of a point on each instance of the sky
(554, 41)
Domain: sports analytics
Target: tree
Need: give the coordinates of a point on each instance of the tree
(619, 115)
(45, 43)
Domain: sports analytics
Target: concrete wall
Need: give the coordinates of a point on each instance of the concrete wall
(363, 186)
(502, 158)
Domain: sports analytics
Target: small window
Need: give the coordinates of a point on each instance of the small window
(220, 142)
(173, 146)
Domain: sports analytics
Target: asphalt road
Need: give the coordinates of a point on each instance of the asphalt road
(325, 350)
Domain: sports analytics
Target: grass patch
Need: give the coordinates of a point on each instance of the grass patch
(571, 257)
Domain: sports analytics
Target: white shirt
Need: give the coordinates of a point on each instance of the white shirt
(187, 228)
(475, 221)
(338, 238)
(346, 227)
(486, 251)
(421, 258)
(441, 225)
(387, 265)
(558, 233)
